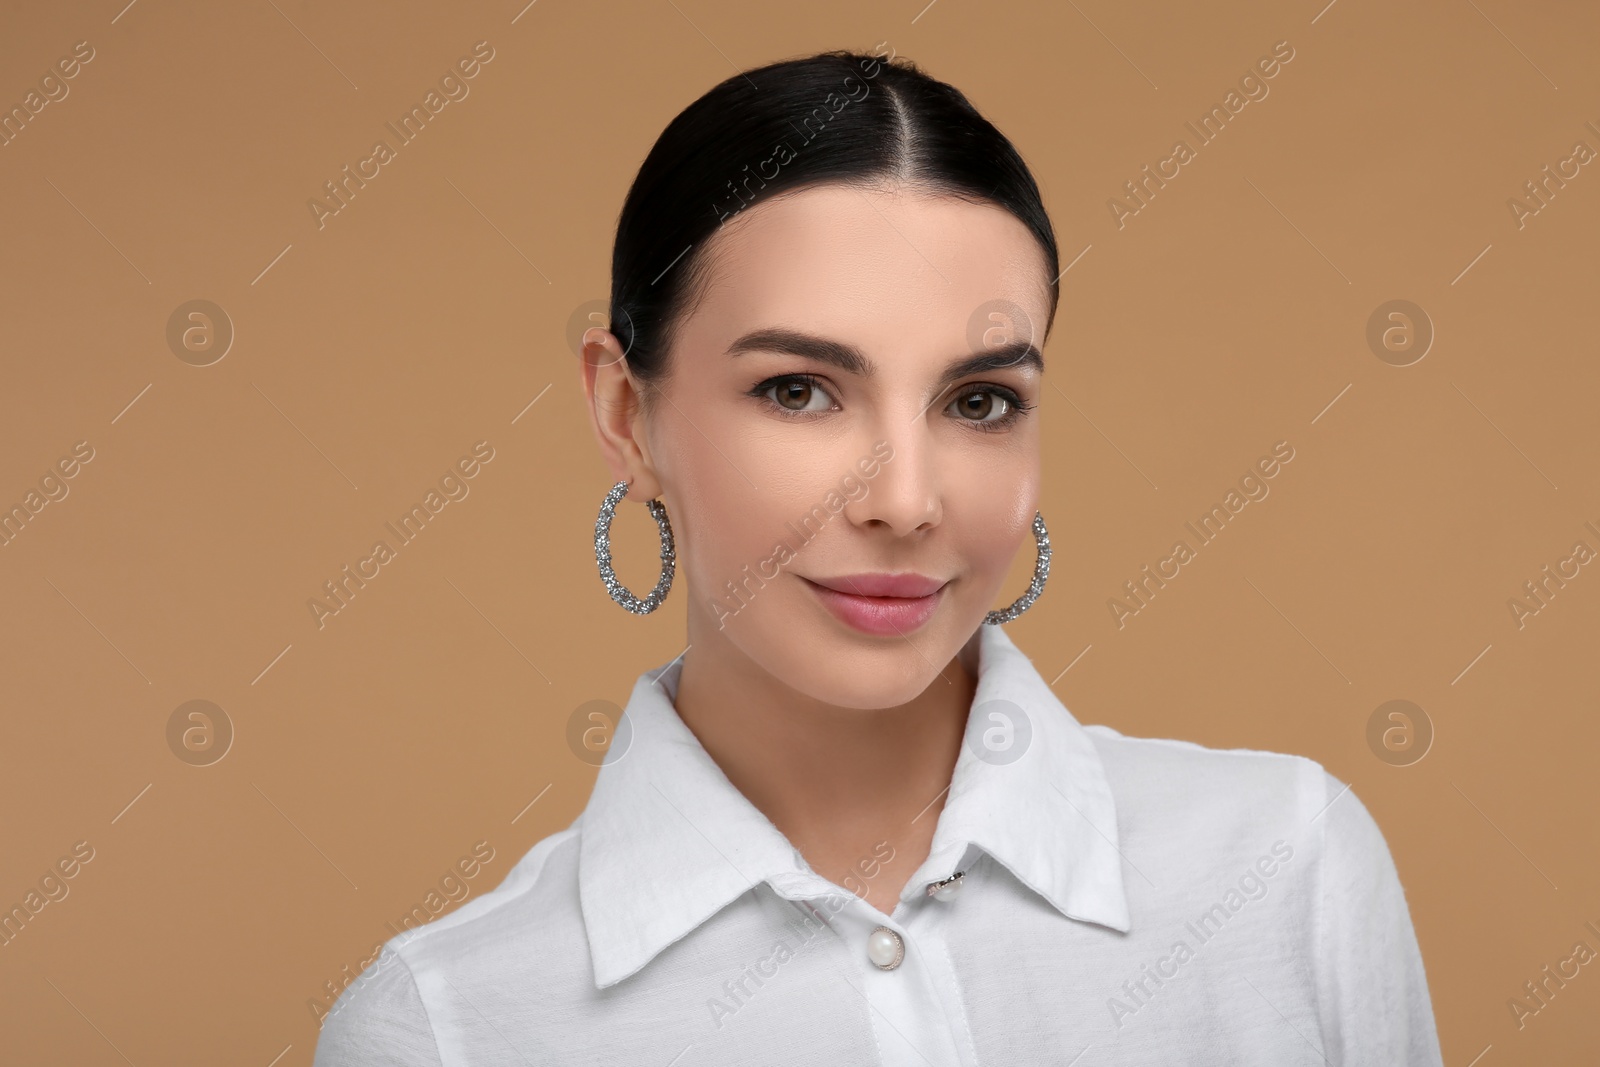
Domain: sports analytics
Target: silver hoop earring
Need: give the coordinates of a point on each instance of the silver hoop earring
(602, 553)
(1041, 571)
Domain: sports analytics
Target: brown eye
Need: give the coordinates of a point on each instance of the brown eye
(797, 395)
(794, 395)
(980, 406)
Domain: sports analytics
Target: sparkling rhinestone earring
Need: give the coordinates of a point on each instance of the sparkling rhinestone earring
(1041, 571)
(602, 553)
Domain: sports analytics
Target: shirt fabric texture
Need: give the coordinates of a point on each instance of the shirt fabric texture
(1124, 901)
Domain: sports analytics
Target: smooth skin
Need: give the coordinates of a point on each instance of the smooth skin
(841, 738)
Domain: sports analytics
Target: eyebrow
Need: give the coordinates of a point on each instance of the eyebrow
(850, 358)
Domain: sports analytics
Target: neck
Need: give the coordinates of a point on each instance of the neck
(839, 783)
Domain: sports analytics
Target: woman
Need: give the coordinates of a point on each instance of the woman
(851, 824)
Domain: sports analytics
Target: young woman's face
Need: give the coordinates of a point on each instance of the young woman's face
(809, 433)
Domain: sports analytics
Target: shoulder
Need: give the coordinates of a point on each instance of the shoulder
(1164, 778)
(531, 920)
(1231, 803)
(379, 1018)
(536, 902)
(1229, 827)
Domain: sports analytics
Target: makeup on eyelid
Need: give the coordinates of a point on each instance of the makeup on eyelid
(1015, 405)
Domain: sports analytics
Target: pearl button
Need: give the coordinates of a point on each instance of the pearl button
(947, 889)
(885, 948)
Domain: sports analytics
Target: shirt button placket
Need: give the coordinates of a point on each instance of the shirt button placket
(906, 1011)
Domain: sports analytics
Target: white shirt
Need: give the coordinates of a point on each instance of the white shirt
(1123, 901)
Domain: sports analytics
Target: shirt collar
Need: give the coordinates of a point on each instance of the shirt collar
(667, 841)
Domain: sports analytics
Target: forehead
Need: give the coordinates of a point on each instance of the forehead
(885, 270)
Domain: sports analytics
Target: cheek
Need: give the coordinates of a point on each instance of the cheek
(995, 512)
(732, 504)
(1003, 528)
(733, 528)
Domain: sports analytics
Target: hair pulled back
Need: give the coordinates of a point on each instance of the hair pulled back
(838, 116)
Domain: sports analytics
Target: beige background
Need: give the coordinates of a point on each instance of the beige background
(370, 754)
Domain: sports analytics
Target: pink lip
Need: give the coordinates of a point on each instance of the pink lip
(884, 604)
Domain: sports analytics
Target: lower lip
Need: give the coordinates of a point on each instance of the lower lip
(881, 615)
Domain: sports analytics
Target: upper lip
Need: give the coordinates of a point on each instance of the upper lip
(908, 584)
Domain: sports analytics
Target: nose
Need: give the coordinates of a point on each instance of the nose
(906, 495)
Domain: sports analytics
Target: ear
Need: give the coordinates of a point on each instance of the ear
(616, 414)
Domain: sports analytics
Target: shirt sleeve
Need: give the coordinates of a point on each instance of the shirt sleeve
(1372, 990)
(379, 1019)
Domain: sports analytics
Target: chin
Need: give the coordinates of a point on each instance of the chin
(873, 687)
(838, 666)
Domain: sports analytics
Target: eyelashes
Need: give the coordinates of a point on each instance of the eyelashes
(1015, 406)
(780, 381)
